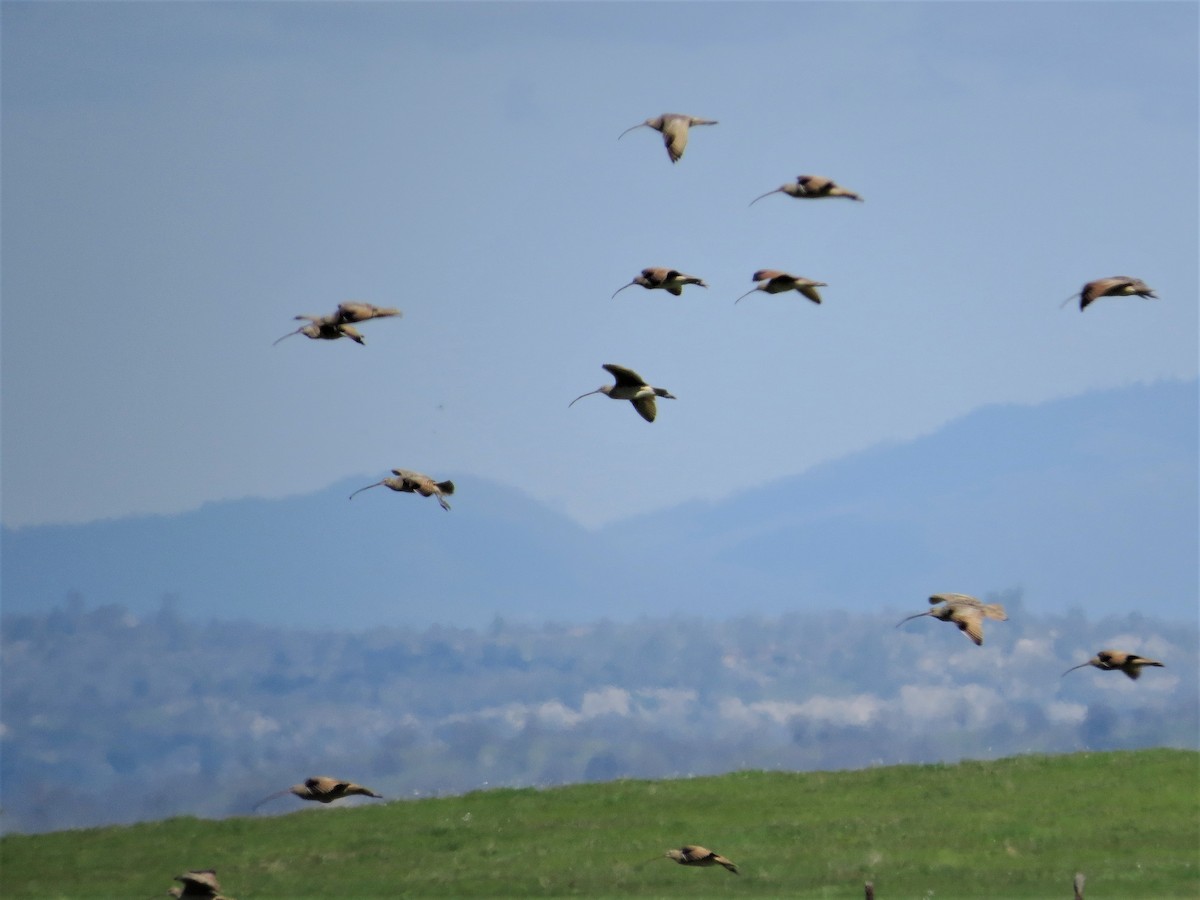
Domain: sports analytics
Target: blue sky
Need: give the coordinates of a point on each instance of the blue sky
(179, 180)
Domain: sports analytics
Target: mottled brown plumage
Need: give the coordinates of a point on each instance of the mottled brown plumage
(695, 855)
(322, 789)
(198, 883)
(1117, 286)
(776, 282)
(964, 611)
(674, 129)
(632, 387)
(357, 311)
(410, 482)
(811, 187)
(1111, 660)
(670, 280)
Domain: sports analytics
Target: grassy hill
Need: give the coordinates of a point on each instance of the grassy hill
(1017, 827)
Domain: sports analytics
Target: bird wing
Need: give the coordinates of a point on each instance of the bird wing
(768, 275)
(809, 291)
(625, 377)
(675, 137)
(970, 623)
(813, 184)
(954, 598)
(675, 289)
(695, 853)
(646, 407)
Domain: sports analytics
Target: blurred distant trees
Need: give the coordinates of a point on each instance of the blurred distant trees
(108, 718)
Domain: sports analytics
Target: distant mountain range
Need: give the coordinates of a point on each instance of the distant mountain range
(1089, 502)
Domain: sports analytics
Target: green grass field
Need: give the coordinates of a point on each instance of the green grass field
(1017, 827)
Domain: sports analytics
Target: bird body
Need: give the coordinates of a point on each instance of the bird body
(964, 611)
(322, 789)
(326, 328)
(670, 280)
(811, 187)
(198, 883)
(695, 855)
(674, 129)
(632, 387)
(776, 282)
(1109, 660)
(1117, 286)
(410, 482)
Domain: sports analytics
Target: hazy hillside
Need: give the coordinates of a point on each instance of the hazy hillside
(1089, 502)
(112, 718)
(1011, 828)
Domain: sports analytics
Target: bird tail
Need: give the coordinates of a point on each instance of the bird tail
(446, 487)
(728, 865)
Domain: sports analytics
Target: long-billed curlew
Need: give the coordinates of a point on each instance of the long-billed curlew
(1117, 286)
(964, 611)
(357, 311)
(695, 855)
(632, 387)
(670, 280)
(674, 128)
(411, 482)
(326, 328)
(1129, 663)
(198, 883)
(776, 282)
(811, 187)
(322, 789)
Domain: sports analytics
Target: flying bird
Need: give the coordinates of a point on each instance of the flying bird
(322, 789)
(674, 128)
(198, 883)
(670, 280)
(1109, 660)
(776, 282)
(695, 855)
(632, 387)
(411, 482)
(811, 187)
(1117, 286)
(326, 328)
(964, 611)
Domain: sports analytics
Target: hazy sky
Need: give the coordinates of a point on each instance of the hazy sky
(180, 179)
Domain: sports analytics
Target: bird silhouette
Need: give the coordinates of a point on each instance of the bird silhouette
(776, 282)
(1111, 660)
(695, 855)
(410, 482)
(322, 789)
(964, 611)
(670, 280)
(674, 129)
(632, 387)
(1117, 286)
(811, 187)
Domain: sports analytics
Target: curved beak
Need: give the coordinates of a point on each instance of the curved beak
(581, 396)
(1073, 668)
(767, 194)
(367, 488)
(917, 616)
(744, 296)
(627, 130)
(288, 335)
(618, 290)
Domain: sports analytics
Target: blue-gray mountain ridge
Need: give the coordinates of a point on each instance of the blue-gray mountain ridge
(1088, 502)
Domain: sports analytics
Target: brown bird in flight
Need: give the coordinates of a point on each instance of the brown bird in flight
(811, 187)
(1117, 286)
(1129, 663)
(326, 328)
(632, 387)
(670, 280)
(198, 883)
(695, 855)
(410, 482)
(776, 282)
(322, 789)
(964, 611)
(674, 128)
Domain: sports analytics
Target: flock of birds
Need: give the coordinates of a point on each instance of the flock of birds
(966, 612)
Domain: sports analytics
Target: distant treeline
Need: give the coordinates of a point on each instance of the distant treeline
(110, 718)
